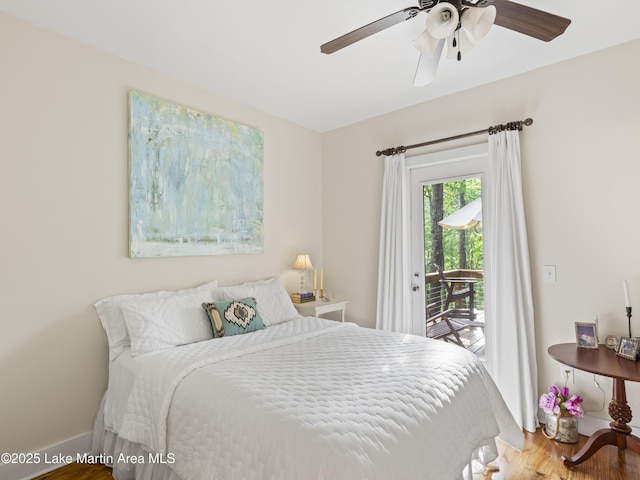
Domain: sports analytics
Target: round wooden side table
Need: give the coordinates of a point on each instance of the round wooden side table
(603, 361)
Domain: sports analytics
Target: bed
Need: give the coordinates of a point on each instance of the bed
(296, 398)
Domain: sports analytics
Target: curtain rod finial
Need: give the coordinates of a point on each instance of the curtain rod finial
(391, 151)
(528, 121)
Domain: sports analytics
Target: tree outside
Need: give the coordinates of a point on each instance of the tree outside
(450, 248)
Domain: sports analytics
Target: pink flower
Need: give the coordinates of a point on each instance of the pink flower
(548, 402)
(573, 405)
(559, 400)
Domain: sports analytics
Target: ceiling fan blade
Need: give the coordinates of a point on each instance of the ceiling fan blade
(428, 66)
(368, 30)
(529, 21)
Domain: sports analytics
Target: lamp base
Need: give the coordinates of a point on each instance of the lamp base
(302, 289)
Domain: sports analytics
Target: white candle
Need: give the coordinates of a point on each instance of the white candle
(321, 279)
(314, 279)
(625, 287)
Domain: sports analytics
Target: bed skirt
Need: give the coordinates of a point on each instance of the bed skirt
(119, 452)
(116, 450)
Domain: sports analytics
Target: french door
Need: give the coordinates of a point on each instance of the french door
(440, 167)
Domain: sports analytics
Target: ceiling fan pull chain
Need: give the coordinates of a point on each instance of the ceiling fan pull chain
(459, 53)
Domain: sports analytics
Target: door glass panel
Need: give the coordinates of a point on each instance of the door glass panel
(453, 241)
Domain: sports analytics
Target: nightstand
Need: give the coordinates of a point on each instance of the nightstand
(317, 308)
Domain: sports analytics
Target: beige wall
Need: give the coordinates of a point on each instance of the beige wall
(64, 214)
(581, 165)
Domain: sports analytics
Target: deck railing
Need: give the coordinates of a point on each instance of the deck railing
(435, 292)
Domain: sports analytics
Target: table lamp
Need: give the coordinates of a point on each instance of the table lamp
(302, 263)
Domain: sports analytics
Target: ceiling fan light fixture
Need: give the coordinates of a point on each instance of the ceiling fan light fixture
(478, 21)
(472, 19)
(442, 20)
(426, 43)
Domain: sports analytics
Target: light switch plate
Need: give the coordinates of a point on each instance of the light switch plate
(549, 273)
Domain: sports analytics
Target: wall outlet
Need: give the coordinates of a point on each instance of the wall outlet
(567, 375)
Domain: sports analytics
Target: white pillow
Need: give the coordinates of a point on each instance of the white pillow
(272, 300)
(113, 321)
(166, 322)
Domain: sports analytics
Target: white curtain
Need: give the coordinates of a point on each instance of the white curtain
(394, 294)
(510, 335)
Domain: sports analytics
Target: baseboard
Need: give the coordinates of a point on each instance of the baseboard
(587, 425)
(46, 460)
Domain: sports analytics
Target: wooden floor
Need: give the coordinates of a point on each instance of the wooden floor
(541, 458)
(79, 471)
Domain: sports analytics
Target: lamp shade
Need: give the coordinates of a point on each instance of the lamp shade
(478, 21)
(303, 262)
(427, 66)
(442, 20)
(426, 43)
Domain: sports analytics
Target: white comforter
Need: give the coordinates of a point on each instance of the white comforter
(314, 399)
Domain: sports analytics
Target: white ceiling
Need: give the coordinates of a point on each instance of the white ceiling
(267, 53)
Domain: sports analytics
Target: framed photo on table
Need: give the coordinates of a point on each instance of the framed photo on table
(586, 335)
(628, 348)
(612, 342)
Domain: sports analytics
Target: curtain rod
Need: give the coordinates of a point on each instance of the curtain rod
(491, 130)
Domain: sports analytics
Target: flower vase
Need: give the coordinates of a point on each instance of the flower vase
(562, 427)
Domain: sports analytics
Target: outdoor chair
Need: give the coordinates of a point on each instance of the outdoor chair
(440, 326)
(457, 290)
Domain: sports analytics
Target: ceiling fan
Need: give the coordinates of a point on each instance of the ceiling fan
(459, 24)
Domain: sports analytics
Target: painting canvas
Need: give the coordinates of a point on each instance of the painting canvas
(196, 182)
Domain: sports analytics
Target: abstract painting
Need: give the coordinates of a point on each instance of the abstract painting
(195, 182)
